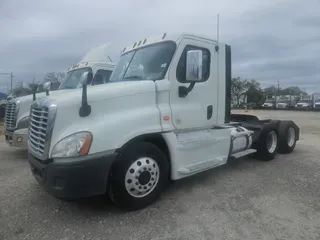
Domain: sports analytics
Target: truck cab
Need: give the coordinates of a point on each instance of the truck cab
(316, 105)
(18, 109)
(165, 114)
(269, 104)
(304, 104)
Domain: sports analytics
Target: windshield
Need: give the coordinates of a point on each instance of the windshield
(72, 80)
(304, 101)
(318, 101)
(270, 101)
(147, 63)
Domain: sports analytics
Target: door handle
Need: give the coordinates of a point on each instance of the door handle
(209, 112)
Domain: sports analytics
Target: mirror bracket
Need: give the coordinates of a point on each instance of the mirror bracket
(184, 91)
(85, 109)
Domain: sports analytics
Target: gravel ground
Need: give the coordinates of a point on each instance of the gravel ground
(246, 199)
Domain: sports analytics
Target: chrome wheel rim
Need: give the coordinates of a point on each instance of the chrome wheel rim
(272, 141)
(291, 136)
(142, 177)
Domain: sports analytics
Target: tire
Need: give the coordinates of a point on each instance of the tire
(287, 137)
(265, 151)
(139, 176)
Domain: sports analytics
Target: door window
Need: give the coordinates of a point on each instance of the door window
(181, 68)
(102, 76)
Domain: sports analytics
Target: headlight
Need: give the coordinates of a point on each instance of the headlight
(77, 144)
(23, 123)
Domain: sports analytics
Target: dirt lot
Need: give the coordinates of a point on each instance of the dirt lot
(246, 199)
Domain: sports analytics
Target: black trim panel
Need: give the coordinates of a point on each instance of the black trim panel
(228, 84)
(74, 178)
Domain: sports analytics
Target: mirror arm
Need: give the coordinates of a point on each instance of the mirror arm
(85, 108)
(47, 92)
(34, 91)
(184, 91)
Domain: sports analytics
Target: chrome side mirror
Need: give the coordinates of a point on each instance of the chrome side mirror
(194, 63)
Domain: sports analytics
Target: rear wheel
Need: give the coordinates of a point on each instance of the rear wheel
(139, 176)
(287, 137)
(268, 145)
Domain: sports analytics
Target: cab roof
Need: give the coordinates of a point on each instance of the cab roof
(165, 37)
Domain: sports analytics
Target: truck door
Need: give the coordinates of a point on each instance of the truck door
(198, 108)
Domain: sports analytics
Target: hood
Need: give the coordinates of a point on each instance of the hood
(29, 98)
(302, 104)
(282, 104)
(102, 92)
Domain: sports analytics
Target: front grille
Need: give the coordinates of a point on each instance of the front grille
(38, 125)
(10, 116)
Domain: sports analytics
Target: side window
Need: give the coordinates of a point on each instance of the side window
(102, 76)
(181, 68)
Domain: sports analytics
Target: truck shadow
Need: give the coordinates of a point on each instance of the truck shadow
(101, 205)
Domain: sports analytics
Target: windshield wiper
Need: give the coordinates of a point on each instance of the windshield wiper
(133, 77)
(67, 87)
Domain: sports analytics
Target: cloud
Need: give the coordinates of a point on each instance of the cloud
(271, 40)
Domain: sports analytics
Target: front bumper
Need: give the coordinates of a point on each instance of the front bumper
(18, 138)
(317, 107)
(76, 177)
(267, 106)
(302, 107)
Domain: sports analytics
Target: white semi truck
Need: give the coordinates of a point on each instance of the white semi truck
(165, 115)
(286, 102)
(305, 103)
(316, 101)
(270, 103)
(17, 109)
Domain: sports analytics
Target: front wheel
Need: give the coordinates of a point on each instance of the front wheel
(139, 176)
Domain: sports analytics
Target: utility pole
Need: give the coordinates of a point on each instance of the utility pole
(11, 80)
(278, 86)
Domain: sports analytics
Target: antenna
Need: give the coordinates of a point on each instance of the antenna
(110, 59)
(217, 46)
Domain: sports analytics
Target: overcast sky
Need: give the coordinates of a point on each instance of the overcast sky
(271, 40)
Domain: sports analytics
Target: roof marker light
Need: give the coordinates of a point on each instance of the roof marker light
(164, 35)
(144, 41)
(124, 49)
(134, 45)
(139, 43)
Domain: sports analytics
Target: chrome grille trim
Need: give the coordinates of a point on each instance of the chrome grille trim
(11, 113)
(42, 115)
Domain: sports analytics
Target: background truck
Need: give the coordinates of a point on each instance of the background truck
(316, 101)
(270, 103)
(17, 109)
(165, 115)
(305, 103)
(286, 102)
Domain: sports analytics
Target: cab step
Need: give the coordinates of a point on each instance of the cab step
(243, 153)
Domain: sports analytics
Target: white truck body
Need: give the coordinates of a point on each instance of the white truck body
(316, 101)
(305, 103)
(270, 103)
(286, 102)
(18, 109)
(164, 114)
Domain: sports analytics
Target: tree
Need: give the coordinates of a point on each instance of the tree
(238, 89)
(270, 91)
(55, 78)
(292, 91)
(254, 93)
